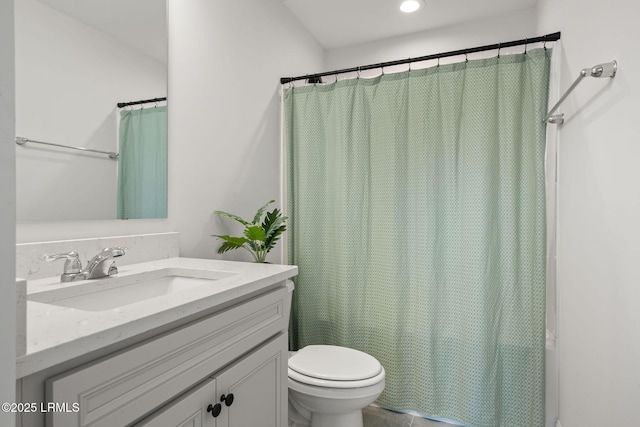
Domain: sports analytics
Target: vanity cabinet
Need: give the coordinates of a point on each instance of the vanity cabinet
(248, 393)
(173, 377)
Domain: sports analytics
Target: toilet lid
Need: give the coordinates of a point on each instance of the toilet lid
(334, 363)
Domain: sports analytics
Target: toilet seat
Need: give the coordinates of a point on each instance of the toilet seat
(334, 367)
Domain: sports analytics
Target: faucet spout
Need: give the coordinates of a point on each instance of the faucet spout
(102, 265)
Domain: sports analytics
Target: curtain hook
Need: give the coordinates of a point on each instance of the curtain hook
(438, 66)
(525, 45)
(499, 47)
(409, 64)
(544, 44)
(336, 74)
(382, 68)
(466, 58)
(358, 72)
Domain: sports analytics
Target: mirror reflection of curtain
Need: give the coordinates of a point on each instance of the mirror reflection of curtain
(416, 206)
(142, 165)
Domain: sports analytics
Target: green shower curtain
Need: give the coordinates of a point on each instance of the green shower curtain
(142, 164)
(417, 219)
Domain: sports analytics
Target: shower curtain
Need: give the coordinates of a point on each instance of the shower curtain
(417, 219)
(142, 164)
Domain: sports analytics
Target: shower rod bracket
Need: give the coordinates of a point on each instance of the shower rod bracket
(608, 69)
(556, 119)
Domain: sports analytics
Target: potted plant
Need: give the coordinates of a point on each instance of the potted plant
(260, 235)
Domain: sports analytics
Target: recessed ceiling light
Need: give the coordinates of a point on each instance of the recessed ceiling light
(408, 6)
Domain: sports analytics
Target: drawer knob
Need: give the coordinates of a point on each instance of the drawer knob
(214, 409)
(227, 399)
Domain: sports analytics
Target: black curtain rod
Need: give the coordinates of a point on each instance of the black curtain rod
(316, 77)
(144, 101)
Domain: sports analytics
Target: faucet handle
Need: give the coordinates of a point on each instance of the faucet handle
(115, 251)
(72, 263)
(118, 251)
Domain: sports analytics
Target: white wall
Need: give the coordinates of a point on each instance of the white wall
(496, 29)
(7, 212)
(225, 61)
(69, 77)
(599, 211)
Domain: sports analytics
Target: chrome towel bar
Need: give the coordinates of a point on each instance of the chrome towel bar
(21, 141)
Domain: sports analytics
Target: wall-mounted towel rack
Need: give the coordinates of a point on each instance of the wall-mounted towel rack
(601, 70)
(21, 141)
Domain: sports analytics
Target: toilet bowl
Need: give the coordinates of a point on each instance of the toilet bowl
(330, 385)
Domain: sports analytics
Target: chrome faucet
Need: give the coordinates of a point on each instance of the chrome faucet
(101, 265)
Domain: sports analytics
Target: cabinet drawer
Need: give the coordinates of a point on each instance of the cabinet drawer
(122, 388)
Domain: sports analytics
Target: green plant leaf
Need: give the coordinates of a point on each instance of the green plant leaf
(274, 226)
(275, 236)
(233, 217)
(254, 232)
(272, 221)
(230, 243)
(258, 216)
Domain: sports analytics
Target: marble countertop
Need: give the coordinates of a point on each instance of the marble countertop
(56, 334)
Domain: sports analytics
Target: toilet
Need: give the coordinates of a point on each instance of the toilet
(330, 385)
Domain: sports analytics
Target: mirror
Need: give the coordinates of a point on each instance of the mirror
(75, 60)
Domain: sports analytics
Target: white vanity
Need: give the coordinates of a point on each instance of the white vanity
(172, 342)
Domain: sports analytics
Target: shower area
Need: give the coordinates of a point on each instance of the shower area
(422, 218)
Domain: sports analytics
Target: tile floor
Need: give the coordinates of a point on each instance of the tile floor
(378, 417)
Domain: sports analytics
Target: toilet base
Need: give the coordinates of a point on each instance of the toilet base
(352, 419)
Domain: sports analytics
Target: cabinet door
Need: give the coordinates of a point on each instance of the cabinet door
(194, 409)
(258, 386)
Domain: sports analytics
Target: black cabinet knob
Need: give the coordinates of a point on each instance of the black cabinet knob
(227, 399)
(214, 409)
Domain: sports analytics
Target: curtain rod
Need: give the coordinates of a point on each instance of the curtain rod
(144, 101)
(315, 77)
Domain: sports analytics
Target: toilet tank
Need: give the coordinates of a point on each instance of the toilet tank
(287, 302)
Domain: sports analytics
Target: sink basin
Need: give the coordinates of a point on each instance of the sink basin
(115, 292)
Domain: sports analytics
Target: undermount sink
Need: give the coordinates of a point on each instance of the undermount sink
(115, 292)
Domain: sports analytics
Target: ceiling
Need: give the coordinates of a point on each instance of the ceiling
(340, 23)
(334, 23)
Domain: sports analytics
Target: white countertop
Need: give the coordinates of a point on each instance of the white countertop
(56, 334)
